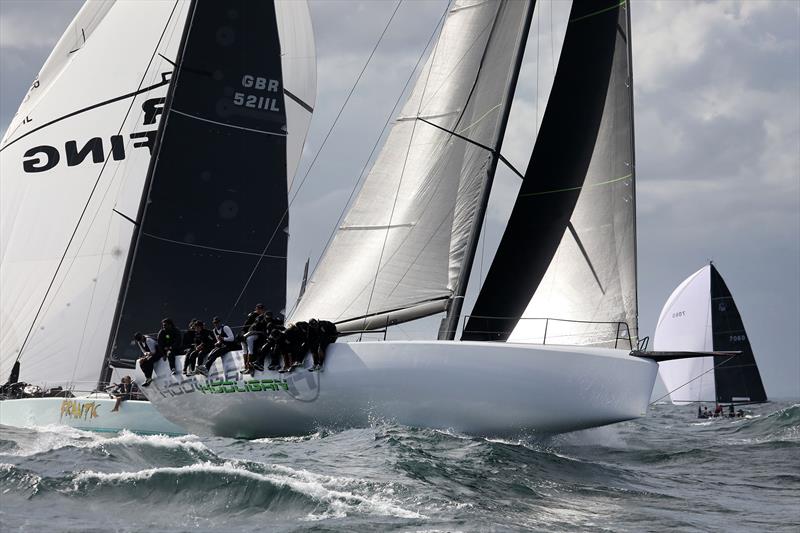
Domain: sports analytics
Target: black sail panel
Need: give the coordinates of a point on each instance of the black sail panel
(218, 185)
(737, 379)
(556, 172)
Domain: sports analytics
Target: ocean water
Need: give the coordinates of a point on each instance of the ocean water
(668, 471)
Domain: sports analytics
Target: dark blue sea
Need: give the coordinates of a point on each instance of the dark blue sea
(666, 472)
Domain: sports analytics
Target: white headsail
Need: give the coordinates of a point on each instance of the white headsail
(685, 325)
(401, 246)
(77, 150)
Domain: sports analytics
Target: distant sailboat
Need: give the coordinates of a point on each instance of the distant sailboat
(700, 315)
(98, 239)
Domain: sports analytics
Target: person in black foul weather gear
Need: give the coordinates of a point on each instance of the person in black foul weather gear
(253, 339)
(321, 333)
(294, 345)
(225, 342)
(271, 347)
(188, 338)
(203, 343)
(249, 321)
(150, 353)
(169, 339)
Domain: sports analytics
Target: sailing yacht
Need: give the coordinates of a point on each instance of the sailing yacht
(549, 345)
(701, 315)
(111, 219)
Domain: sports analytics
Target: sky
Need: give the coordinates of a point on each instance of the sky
(717, 118)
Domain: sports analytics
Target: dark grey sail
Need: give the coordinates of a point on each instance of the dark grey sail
(579, 175)
(737, 379)
(217, 191)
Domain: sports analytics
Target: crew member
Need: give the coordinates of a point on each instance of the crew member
(327, 336)
(203, 343)
(149, 347)
(122, 392)
(294, 345)
(188, 338)
(248, 322)
(253, 339)
(224, 341)
(169, 339)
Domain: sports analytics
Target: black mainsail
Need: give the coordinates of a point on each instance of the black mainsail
(737, 378)
(217, 181)
(570, 241)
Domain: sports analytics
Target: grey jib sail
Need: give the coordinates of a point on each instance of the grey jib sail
(737, 378)
(217, 181)
(401, 247)
(568, 251)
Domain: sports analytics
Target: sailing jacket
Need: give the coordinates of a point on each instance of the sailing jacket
(224, 334)
(149, 344)
(169, 339)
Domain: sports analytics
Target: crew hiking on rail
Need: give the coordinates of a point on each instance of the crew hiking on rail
(263, 339)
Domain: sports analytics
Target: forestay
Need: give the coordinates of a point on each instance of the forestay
(569, 250)
(401, 246)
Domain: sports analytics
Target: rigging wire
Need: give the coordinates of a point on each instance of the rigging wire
(399, 184)
(314, 160)
(693, 379)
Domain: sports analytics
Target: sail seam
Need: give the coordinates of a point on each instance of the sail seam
(164, 81)
(608, 182)
(173, 110)
(213, 248)
(615, 6)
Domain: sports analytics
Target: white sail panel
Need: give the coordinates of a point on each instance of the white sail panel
(81, 150)
(299, 65)
(74, 38)
(401, 243)
(685, 325)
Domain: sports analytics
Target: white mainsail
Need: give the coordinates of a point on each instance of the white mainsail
(401, 245)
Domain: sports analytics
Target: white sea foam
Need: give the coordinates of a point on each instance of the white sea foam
(340, 502)
(54, 437)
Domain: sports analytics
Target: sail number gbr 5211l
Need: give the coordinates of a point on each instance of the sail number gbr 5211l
(258, 101)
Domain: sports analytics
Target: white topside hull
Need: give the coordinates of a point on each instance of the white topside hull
(490, 389)
(89, 413)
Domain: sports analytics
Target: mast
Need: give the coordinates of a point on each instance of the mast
(105, 369)
(447, 330)
(628, 39)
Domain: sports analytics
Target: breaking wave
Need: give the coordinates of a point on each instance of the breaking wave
(393, 477)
